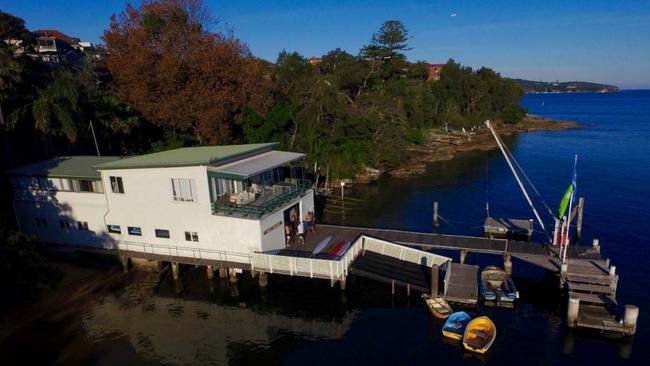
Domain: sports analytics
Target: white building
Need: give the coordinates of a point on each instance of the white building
(215, 202)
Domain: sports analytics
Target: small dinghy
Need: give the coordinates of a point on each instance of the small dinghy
(438, 306)
(479, 335)
(497, 286)
(455, 325)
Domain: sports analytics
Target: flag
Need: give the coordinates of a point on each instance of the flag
(570, 192)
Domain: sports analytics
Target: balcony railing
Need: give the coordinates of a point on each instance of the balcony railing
(263, 204)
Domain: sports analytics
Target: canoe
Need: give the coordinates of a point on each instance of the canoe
(479, 335)
(438, 306)
(322, 245)
(455, 325)
(496, 285)
(336, 249)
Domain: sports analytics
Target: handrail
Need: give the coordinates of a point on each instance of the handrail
(250, 209)
(175, 251)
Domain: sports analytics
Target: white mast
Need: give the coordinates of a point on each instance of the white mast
(514, 172)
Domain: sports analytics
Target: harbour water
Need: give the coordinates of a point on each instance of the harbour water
(300, 321)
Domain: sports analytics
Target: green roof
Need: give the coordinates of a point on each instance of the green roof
(188, 156)
(66, 167)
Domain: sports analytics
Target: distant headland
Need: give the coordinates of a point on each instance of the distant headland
(530, 86)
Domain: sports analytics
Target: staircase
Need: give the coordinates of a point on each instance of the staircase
(592, 281)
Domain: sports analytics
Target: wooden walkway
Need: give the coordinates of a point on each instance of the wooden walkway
(463, 285)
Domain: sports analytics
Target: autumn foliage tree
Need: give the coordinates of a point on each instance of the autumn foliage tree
(179, 74)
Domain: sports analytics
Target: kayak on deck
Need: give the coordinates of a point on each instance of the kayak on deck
(455, 325)
(479, 335)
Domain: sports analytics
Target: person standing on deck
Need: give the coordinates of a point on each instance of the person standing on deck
(301, 233)
(287, 234)
(310, 220)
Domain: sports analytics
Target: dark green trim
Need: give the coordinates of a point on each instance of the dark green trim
(57, 176)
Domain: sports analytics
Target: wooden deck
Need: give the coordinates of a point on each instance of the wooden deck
(391, 270)
(463, 285)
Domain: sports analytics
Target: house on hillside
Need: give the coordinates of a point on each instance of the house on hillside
(434, 71)
(219, 202)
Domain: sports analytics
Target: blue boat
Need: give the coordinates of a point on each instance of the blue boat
(454, 327)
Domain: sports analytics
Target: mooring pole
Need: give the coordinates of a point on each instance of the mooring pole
(581, 206)
(435, 214)
(434, 281)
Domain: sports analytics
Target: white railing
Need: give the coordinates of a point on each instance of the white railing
(185, 252)
(335, 269)
(404, 253)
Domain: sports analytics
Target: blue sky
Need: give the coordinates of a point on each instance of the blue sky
(601, 41)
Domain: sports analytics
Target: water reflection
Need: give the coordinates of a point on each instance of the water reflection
(194, 325)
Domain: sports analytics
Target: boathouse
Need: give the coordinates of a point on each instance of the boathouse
(219, 202)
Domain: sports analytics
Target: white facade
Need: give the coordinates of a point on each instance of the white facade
(148, 204)
(154, 210)
(62, 217)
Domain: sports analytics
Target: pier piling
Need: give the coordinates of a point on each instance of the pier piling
(209, 271)
(463, 256)
(343, 284)
(435, 214)
(572, 311)
(175, 270)
(507, 264)
(263, 279)
(596, 245)
(581, 206)
(434, 281)
(223, 272)
(392, 287)
(630, 317)
(232, 275)
(125, 263)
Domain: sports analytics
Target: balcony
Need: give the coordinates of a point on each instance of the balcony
(260, 199)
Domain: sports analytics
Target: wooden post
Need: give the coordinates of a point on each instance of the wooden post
(572, 311)
(232, 275)
(392, 287)
(463, 256)
(209, 271)
(125, 263)
(263, 279)
(581, 206)
(408, 289)
(435, 214)
(434, 281)
(630, 317)
(223, 272)
(555, 232)
(175, 270)
(343, 284)
(507, 264)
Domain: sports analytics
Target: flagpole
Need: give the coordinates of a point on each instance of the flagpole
(568, 226)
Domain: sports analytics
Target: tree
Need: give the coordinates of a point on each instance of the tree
(389, 42)
(180, 75)
(13, 28)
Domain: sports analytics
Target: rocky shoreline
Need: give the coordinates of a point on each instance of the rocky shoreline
(440, 145)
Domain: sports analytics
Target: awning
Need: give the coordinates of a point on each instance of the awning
(246, 168)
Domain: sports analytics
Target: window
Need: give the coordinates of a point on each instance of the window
(82, 225)
(160, 233)
(134, 230)
(191, 236)
(86, 185)
(65, 224)
(115, 229)
(183, 189)
(116, 185)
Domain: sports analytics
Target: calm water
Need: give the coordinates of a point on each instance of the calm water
(297, 322)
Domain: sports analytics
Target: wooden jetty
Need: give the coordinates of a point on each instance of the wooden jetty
(508, 228)
(404, 259)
